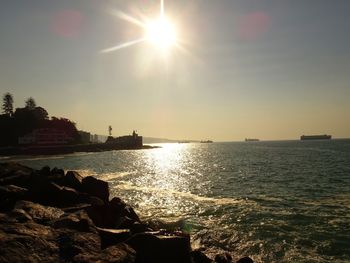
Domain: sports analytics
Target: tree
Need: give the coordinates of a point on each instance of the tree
(30, 103)
(7, 104)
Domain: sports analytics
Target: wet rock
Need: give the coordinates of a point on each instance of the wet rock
(39, 213)
(110, 237)
(96, 188)
(245, 260)
(73, 180)
(223, 258)
(159, 248)
(199, 257)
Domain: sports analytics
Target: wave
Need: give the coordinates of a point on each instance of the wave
(187, 195)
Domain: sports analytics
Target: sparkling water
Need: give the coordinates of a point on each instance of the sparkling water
(286, 201)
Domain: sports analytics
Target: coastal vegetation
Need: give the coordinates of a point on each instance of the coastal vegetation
(21, 121)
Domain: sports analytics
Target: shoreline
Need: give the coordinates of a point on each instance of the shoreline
(68, 149)
(50, 215)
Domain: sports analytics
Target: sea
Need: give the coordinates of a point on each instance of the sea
(278, 201)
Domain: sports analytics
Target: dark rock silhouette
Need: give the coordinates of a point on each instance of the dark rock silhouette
(49, 216)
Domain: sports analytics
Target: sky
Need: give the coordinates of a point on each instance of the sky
(268, 69)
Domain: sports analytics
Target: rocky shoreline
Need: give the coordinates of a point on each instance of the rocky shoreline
(68, 149)
(50, 215)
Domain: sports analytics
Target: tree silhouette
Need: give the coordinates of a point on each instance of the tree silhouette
(30, 103)
(7, 104)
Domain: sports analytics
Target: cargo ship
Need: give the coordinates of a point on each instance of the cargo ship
(251, 140)
(207, 141)
(315, 137)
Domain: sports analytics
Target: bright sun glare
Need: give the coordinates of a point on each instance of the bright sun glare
(161, 33)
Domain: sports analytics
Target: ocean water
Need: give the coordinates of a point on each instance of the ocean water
(286, 201)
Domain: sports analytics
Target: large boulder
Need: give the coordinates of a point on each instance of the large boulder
(78, 221)
(10, 194)
(74, 180)
(245, 260)
(39, 213)
(120, 253)
(199, 257)
(110, 237)
(95, 187)
(15, 174)
(115, 214)
(157, 248)
(27, 242)
(223, 258)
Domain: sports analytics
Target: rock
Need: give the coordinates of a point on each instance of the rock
(159, 248)
(115, 214)
(13, 192)
(78, 221)
(61, 196)
(15, 174)
(120, 253)
(73, 180)
(45, 171)
(20, 215)
(57, 176)
(245, 260)
(9, 194)
(27, 242)
(39, 213)
(199, 257)
(56, 171)
(77, 244)
(93, 200)
(138, 227)
(96, 188)
(223, 258)
(110, 237)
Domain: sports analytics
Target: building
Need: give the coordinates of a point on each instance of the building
(85, 137)
(133, 140)
(45, 136)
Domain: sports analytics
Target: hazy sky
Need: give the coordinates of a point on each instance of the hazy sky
(270, 69)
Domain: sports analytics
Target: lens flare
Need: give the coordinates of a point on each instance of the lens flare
(161, 33)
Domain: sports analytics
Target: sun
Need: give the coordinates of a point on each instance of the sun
(161, 33)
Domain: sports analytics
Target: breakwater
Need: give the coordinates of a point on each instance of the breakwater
(50, 215)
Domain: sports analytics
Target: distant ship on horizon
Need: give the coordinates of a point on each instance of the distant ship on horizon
(207, 141)
(251, 140)
(315, 137)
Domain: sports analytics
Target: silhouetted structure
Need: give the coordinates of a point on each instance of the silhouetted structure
(85, 137)
(133, 140)
(45, 136)
(29, 125)
(315, 137)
